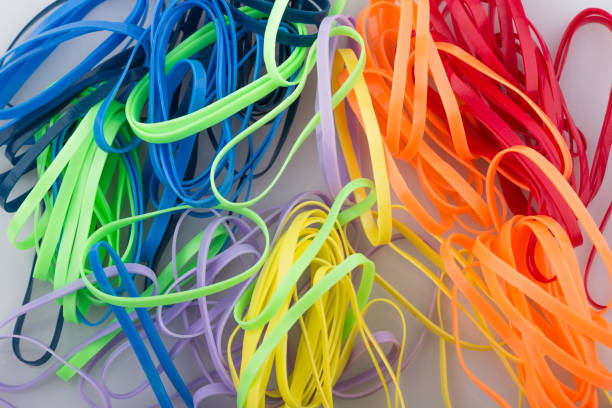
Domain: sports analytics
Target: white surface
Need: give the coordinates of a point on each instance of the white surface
(586, 84)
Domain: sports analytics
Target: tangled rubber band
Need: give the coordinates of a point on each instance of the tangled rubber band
(200, 260)
(74, 200)
(271, 308)
(554, 316)
(530, 253)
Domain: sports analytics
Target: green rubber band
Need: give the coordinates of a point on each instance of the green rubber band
(189, 124)
(274, 336)
(185, 261)
(148, 301)
(187, 253)
(295, 271)
(290, 279)
(337, 7)
(61, 233)
(272, 27)
(337, 97)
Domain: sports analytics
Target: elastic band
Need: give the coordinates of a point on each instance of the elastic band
(181, 267)
(315, 15)
(309, 128)
(435, 175)
(216, 112)
(63, 24)
(502, 37)
(18, 328)
(270, 317)
(131, 333)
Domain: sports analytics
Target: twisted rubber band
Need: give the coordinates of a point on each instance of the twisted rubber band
(501, 36)
(62, 24)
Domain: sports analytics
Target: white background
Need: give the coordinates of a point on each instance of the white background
(586, 84)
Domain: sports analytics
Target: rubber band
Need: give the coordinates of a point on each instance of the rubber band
(301, 15)
(18, 328)
(489, 35)
(179, 267)
(74, 151)
(553, 184)
(47, 10)
(519, 275)
(130, 331)
(325, 138)
(152, 241)
(136, 268)
(27, 129)
(540, 384)
(62, 24)
(467, 196)
(309, 128)
(196, 191)
(598, 168)
(77, 201)
(306, 12)
(52, 207)
(577, 289)
(331, 264)
(179, 128)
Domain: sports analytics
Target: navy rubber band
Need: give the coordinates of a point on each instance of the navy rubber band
(34, 20)
(106, 71)
(18, 330)
(26, 161)
(282, 37)
(294, 15)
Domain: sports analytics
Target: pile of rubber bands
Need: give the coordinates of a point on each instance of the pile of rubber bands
(148, 217)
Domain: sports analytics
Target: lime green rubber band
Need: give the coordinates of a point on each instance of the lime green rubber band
(337, 97)
(280, 325)
(187, 125)
(274, 336)
(60, 234)
(148, 301)
(272, 27)
(185, 260)
(294, 273)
